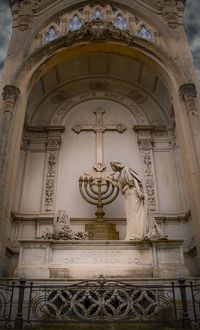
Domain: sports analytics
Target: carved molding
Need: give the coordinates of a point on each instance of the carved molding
(10, 95)
(104, 94)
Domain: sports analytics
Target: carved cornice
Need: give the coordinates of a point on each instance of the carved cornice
(10, 95)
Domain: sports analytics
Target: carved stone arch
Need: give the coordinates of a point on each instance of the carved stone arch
(54, 12)
(64, 108)
(65, 17)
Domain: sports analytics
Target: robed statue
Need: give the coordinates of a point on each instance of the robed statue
(140, 222)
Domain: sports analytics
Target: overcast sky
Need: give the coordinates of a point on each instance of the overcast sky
(192, 24)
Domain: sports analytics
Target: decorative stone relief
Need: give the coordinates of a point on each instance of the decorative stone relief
(10, 95)
(53, 146)
(147, 163)
(145, 145)
(138, 97)
(188, 93)
(24, 21)
(99, 94)
(170, 13)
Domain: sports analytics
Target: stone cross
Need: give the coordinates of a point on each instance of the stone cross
(99, 128)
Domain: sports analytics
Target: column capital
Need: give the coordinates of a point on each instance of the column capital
(10, 95)
(54, 137)
(54, 144)
(188, 92)
(144, 136)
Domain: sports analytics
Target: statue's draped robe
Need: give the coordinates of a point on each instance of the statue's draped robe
(140, 223)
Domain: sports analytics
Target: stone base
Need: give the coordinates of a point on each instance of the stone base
(90, 259)
(100, 230)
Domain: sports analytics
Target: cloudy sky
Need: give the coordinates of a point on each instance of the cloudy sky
(192, 25)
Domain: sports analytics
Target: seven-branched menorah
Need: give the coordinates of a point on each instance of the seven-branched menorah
(98, 190)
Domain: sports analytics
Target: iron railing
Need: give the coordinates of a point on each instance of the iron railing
(26, 304)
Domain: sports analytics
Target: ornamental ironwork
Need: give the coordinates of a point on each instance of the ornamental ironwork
(173, 305)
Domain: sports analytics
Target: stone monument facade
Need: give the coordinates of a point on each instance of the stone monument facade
(86, 83)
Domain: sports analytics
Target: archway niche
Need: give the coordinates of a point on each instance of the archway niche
(53, 155)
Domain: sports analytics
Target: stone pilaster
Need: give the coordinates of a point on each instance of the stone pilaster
(10, 95)
(53, 148)
(146, 145)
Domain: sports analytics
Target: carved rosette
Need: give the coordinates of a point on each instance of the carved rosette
(53, 147)
(145, 145)
(188, 93)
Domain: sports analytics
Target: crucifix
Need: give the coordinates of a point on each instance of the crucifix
(99, 128)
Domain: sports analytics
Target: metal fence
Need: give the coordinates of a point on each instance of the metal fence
(26, 304)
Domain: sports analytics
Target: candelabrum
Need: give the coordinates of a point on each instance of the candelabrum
(98, 191)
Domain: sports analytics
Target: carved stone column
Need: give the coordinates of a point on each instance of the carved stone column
(10, 95)
(53, 147)
(145, 145)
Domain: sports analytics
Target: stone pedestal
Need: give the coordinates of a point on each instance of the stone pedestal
(100, 230)
(90, 259)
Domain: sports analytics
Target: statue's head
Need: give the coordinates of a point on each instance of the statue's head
(116, 166)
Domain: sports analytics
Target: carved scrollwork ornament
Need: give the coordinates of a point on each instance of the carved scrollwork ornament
(10, 95)
(188, 93)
